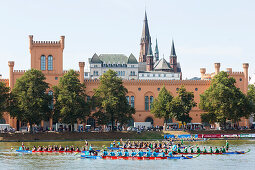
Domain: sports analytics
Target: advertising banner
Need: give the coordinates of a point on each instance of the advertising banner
(230, 135)
(209, 135)
(245, 135)
(169, 136)
(184, 136)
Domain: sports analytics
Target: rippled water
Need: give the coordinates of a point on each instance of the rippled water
(12, 160)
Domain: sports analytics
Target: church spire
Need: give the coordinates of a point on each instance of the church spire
(146, 32)
(156, 51)
(149, 52)
(149, 59)
(145, 39)
(173, 49)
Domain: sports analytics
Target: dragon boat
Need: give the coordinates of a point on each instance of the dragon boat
(136, 157)
(221, 153)
(30, 151)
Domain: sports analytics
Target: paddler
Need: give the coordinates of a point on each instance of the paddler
(198, 150)
(204, 151)
(105, 153)
(140, 153)
(148, 153)
(170, 153)
(163, 154)
(211, 150)
(223, 149)
(126, 153)
(217, 150)
(133, 153)
(227, 145)
(178, 150)
(119, 153)
(112, 153)
(191, 150)
(186, 150)
(155, 154)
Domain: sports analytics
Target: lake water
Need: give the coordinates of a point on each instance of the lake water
(12, 160)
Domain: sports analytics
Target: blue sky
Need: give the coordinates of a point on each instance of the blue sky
(204, 31)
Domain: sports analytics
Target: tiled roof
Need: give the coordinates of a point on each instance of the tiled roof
(162, 64)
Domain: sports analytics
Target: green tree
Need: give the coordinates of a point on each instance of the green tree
(251, 96)
(182, 104)
(70, 104)
(4, 95)
(29, 101)
(224, 101)
(159, 106)
(110, 99)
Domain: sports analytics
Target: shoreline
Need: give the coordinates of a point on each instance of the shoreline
(110, 136)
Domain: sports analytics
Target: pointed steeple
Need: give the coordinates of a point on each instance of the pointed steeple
(146, 32)
(156, 51)
(173, 49)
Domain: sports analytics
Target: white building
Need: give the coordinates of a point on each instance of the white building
(126, 67)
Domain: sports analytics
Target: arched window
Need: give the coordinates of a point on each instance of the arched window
(146, 103)
(151, 101)
(149, 119)
(2, 121)
(133, 101)
(50, 62)
(127, 97)
(43, 62)
(91, 122)
(51, 103)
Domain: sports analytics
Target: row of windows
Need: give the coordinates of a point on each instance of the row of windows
(95, 73)
(158, 75)
(50, 62)
(121, 73)
(139, 89)
(132, 73)
(113, 65)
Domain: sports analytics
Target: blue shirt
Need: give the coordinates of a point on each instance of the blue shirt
(112, 154)
(126, 154)
(119, 153)
(105, 153)
(133, 154)
(140, 153)
(148, 154)
(155, 154)
(163, 154)
(170, 154)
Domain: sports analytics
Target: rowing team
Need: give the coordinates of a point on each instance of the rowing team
(221, 150)
(140, 153)
(143, 144)
(59, 148)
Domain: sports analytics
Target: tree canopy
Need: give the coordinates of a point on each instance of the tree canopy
(159, 106)
(182, 104)
(29, 101)
(4, 95)
(110, 100)
(224, 101)
(70, 104)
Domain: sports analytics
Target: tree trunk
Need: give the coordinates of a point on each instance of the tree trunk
(31, 127)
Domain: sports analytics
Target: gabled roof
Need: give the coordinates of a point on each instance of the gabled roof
(95, 59)
(132, 59)
(162, 64)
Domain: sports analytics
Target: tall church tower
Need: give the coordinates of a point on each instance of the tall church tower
(149, 59)
(173, 58)
(145, 40)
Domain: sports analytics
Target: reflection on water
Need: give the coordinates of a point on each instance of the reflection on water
(12, 160)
